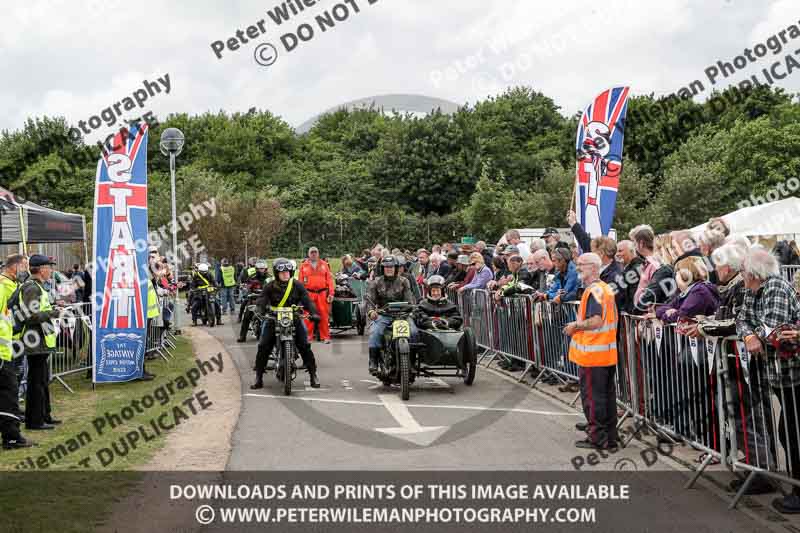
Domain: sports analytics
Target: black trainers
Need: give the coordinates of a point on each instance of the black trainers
(313, 379)
(18, 443)
(259, 384)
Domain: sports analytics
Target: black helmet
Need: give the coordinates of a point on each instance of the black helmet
(282, 264)
(389, 261)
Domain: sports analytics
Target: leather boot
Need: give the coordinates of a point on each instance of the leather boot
(374, 357)
(259, 384)
(312, 377)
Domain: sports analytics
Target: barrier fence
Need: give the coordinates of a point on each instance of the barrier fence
(73, 351)
(706, 392)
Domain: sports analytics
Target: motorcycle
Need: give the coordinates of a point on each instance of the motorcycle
(209, 307)
(395, 367)
(285, 349)
(257, 321)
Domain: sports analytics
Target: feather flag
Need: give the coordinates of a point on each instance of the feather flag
(120, 251)
(598, 146)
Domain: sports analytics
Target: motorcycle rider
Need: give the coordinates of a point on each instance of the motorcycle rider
(254, 284)
(436, 311)
(387, 288)
(201, 280)
(404, 269)
(284, 291)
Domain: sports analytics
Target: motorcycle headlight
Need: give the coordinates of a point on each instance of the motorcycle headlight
(286, 322)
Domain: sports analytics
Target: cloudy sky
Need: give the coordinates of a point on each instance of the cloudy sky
(76, 57)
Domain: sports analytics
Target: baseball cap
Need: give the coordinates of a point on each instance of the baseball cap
(452, 255)
(37, 260)
(550, 231)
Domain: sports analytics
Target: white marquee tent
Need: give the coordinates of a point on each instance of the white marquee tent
(779, 220)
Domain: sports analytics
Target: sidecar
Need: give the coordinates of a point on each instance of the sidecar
(447, 352)
(347, 309)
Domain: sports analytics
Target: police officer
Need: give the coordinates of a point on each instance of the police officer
(227, 281)
(39, 338)
(255, 284)
(10, 413)
(386, 289)
(284, 291)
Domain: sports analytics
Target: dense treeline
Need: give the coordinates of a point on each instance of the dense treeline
(367, 175)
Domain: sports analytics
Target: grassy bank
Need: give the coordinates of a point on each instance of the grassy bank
(58, 492)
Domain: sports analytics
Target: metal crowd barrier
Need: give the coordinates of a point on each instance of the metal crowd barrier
(73, 351)
(789, 272)
(705, 392)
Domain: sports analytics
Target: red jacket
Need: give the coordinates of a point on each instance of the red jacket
(316, 279)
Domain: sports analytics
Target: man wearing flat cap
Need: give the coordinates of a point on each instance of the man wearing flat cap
(39, 340)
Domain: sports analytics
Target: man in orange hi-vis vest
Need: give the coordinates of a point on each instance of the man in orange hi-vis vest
(316, 277)
(593, 348)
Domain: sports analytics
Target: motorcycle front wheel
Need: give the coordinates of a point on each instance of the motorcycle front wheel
(404, 356)
(286, 360)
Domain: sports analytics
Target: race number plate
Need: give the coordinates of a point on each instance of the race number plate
(285, 314)
(401, 329)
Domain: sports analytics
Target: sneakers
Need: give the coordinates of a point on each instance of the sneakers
(15, 444)
(313, 379)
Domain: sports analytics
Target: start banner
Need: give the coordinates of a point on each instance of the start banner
(120, 258)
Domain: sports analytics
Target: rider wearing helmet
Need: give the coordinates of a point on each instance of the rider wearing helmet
(250, 271)
(436, 311)
(387, 288)
(404, 270)
(201, 279)
(285, 291)
(253, 286)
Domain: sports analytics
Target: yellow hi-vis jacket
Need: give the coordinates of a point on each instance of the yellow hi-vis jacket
(596, 347)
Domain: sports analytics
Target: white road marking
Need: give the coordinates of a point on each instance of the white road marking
(419, 405)
(409, 429)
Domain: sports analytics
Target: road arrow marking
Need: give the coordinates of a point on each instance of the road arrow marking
(409, 429)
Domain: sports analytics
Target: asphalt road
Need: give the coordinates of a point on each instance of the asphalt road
(354, 423)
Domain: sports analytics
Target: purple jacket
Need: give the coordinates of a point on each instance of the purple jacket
(480, 280)
(702, 299)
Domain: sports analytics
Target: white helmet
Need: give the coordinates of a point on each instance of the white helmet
(202, 267)
(261, 264)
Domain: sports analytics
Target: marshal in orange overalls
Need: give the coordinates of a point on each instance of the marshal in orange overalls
(319, 284)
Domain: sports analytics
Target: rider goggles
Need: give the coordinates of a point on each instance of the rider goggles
(284, 267)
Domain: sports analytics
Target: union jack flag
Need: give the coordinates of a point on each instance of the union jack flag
(598, 147)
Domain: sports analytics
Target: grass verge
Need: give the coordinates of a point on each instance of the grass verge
(59, 493)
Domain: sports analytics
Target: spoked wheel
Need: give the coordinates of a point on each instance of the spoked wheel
(286, 361)
(470, 357)
(360, 322)
(210, 313)
(405, 368)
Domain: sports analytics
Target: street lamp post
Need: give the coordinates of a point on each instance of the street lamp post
(172, 141)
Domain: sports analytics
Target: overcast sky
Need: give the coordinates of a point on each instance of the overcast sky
(75, 58)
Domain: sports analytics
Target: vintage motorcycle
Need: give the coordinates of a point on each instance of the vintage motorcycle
(209, 307)
(285, 350)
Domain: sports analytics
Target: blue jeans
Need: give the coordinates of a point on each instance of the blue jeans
(226, 297)
(379, 326)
